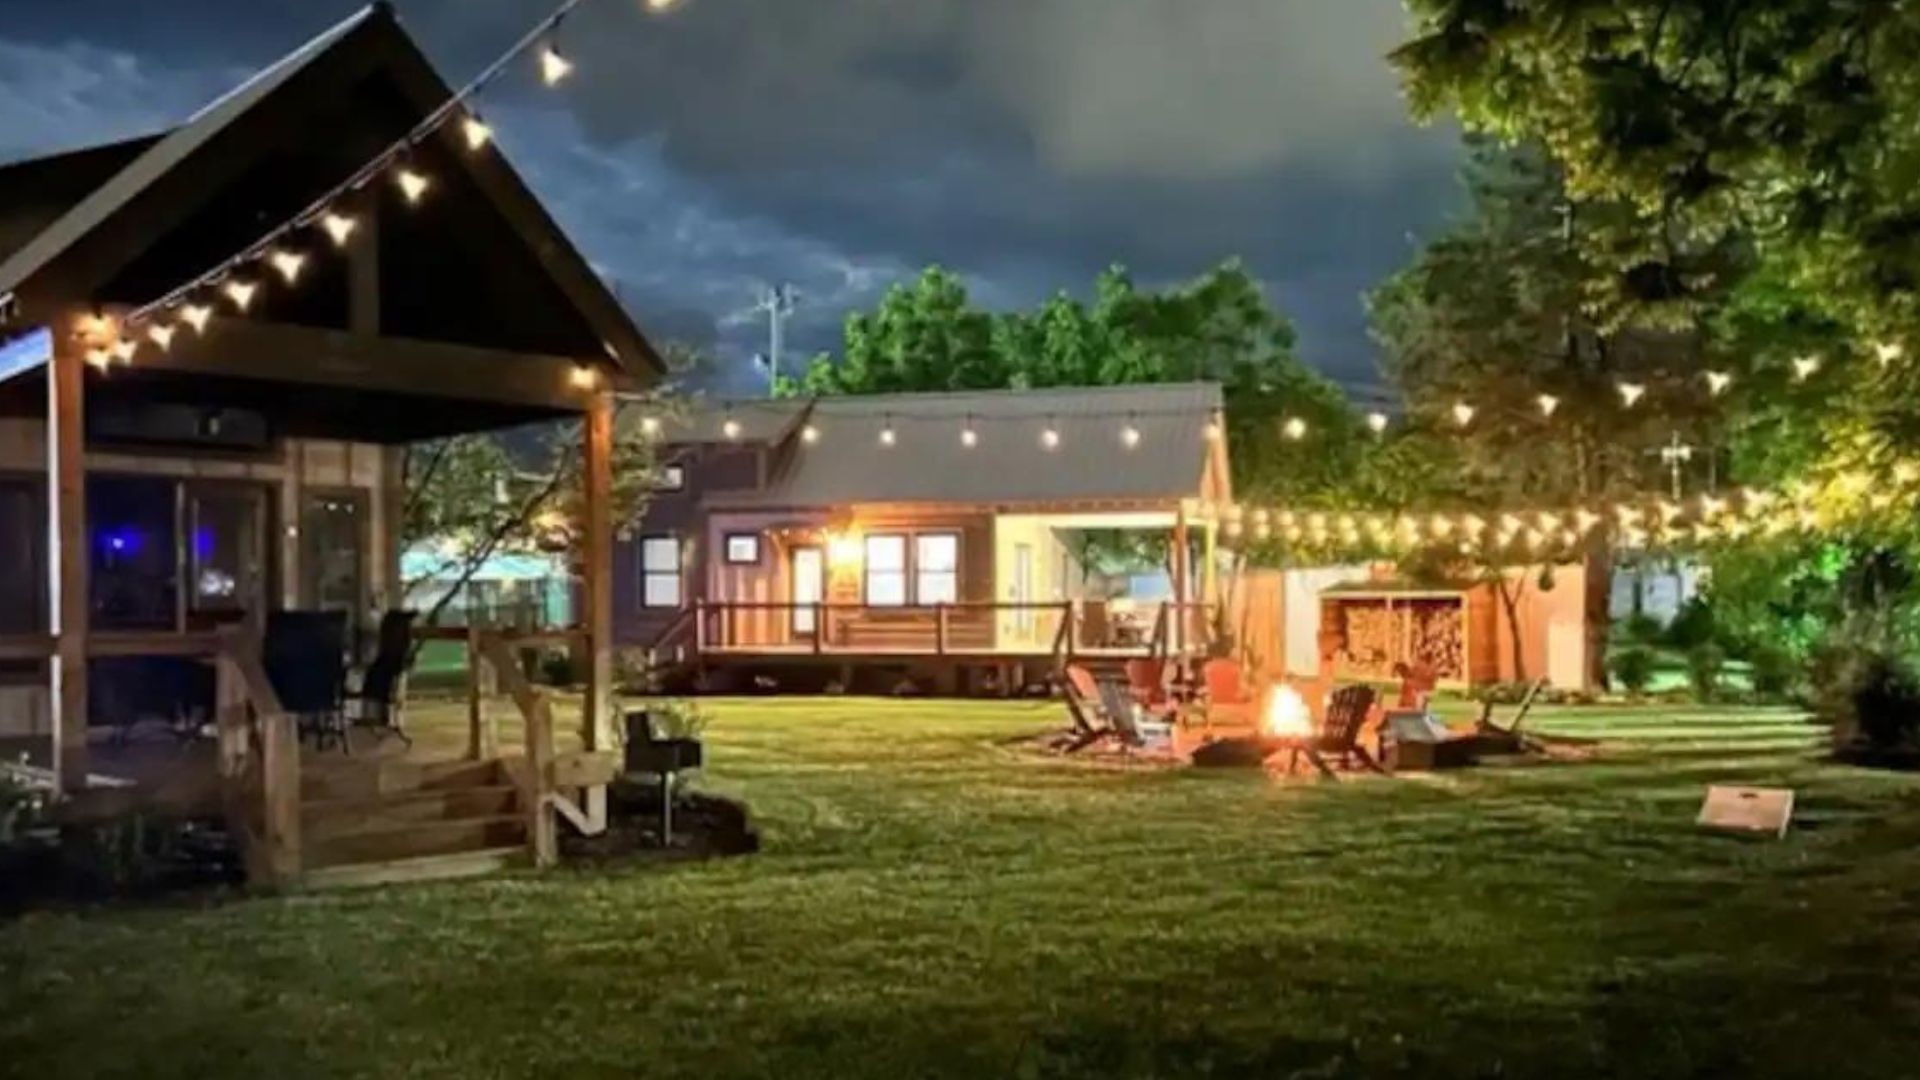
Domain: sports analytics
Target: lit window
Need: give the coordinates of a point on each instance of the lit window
(743, 549)
(887, 571)
(659, 572)
(936, 568)
(671, 478)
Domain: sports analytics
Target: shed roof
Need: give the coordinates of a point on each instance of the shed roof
(927, 462)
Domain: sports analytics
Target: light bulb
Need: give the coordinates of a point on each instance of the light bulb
(123, 350)
(196, 315)
(1631, 393)
(100, 359)
(887, 437)
(1377, 421)
(241, 293)
(1130, 436)
(412, 184)
(1462, 413)
(731, 428)
(1050, 438)
(1804, 367)
(477, 132)
(1888, 352)
(584, 377)
(969, 438)
(1295, 428)
(1717, 382)
(1213, 430)
(288, 263)
(809, 434)
(338, 226)
(1548, 403)
(553, 66)
(649, 426)
(161, 335)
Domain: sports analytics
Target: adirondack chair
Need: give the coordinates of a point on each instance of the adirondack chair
(1509, 738)
(1228, 698)
(1081, 693)
(1147, 679)
(1120, 710)
(1339, 735)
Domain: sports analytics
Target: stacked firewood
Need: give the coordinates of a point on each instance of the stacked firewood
(1373, 635)
(1439, 639)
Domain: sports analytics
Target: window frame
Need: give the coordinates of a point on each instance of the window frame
(726, 549)
(905, 570)
(919, 571)
(647, 573)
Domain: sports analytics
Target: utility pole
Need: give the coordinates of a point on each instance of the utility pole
(778, 301)
(1674, 455)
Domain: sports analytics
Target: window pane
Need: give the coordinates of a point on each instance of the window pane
(659, 554)
(938, 588)
(886, 553)
(661, 590)
(335, 533)
(23, 535)
(937, 552)
(132, 552)
(224, 557)
(743, 549)
(886, 588)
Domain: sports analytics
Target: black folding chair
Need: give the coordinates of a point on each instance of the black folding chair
(305, 654)
(376, 701)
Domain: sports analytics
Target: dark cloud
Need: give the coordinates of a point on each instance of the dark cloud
(840, 146)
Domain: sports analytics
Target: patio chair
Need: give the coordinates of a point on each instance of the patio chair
(304, 653)
(1339, 735)
(1122, 713)
(1082, 696)
(1227, 693)
(1417, 682)
(1148, 681)
(377, 700)
(1496, 738)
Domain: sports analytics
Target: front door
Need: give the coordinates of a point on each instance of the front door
(809, 570)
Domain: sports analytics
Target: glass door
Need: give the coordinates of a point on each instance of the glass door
(809, 587)
(226, 554)
(334, 536)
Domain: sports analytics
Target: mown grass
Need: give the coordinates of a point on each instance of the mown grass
(935, 900)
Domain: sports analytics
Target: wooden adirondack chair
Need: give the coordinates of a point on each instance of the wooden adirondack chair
(1339, 735)
(1081, 693)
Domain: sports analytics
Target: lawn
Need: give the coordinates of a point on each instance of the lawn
(935, 901)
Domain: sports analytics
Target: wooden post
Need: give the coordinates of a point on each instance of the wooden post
(940, 629)
(483, 736)
(67, 556)
(1177, 639)
(280, 766)
(819, 627)
(230, 719)
(598, 542)
(1070, 611)
(541, 834)
(699, 625)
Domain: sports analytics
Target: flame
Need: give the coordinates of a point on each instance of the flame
(1287, 713)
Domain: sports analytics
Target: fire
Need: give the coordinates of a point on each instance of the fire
(1287, 713)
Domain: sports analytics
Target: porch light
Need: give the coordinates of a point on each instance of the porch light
(1548, 403)
(477, 132)
(240, 292)
(1631, 393)
(288, 263)
(412, 184)
(553, 66)
(338, 226)
(1804, 367)
(1717, 382)
(196, 316)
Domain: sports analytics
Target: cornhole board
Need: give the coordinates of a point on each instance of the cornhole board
(1747, 809)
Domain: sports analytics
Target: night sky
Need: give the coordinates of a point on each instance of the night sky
(840, 145)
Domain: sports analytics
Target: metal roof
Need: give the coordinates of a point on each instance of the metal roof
(846, 461)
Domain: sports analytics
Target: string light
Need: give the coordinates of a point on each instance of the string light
(584, 377)
(1295, 429)
(1377, 422)
(1462, 413)
(196, 316)
(1804, 367)
(553, 66)
(412, 184)
(650, 426)
(1717, 382)
(100, 359)
(1548, 403)
(887, 437)
(1888, 352)
(1130, 435)
(810, 435)
(730, 428)
(969, 438)
(161, 336)
(1050, 436)
(1213, 430)
(288, 263)
(477, 132)
(123, 350)
(339, 227)
(240, 292)
(1631, 393)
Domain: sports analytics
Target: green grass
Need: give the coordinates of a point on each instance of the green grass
(933, 901)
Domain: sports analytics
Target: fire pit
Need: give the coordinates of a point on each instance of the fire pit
(1285, 719)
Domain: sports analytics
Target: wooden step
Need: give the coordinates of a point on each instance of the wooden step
(349, 779)
(328, 818)
(410, 840)
(419, 868)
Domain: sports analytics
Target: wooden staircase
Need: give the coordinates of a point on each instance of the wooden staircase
(369, 823)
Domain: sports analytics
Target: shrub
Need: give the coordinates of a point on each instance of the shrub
(1705, 663)
(1774, 672)
(1633, 668)
(1692, 627)
(1641, 629)
(1869, 693)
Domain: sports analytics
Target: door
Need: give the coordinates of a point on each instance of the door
(1022, 592)
(809, 575)
(335, 535)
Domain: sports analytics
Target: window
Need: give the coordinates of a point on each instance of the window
(743, 549)
(671, 478)
(23, 534)
(887, 571)
(936, 568)
(659, 572)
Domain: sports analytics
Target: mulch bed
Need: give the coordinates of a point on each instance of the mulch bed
(704, 826)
